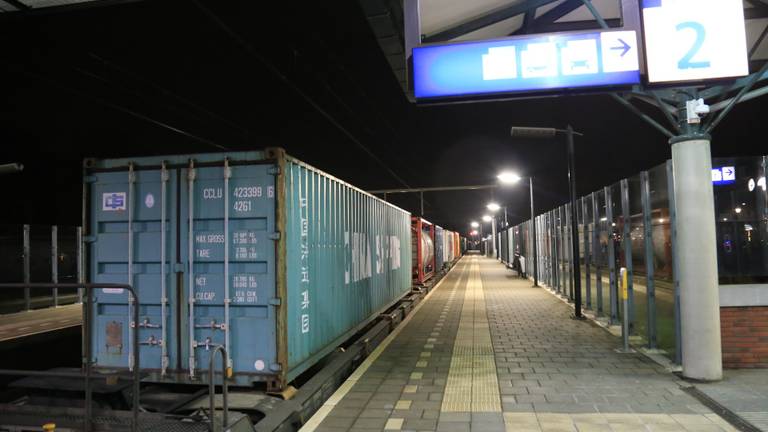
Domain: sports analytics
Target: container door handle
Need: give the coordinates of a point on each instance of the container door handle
(227, 175)
(163, 292)
(129, 208)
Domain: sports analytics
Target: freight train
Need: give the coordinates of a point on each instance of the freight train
(255, 252)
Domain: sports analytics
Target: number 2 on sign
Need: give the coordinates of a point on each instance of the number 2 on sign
(701, 33)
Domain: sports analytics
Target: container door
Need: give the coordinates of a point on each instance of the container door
(140, 202)
(228, 250)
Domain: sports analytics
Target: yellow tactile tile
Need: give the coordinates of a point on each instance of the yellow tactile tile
(473, 366)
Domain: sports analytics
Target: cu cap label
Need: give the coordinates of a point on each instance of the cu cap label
(113, 201)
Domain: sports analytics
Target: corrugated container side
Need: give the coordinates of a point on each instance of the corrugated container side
(347, 259)
(275, 259)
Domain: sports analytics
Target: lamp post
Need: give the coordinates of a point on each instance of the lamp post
(493, 207)
(549, 133)
(511, 178)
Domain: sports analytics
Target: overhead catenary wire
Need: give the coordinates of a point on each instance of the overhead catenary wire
(290, 84)
(127, 111)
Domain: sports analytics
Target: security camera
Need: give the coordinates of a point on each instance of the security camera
(696, 109)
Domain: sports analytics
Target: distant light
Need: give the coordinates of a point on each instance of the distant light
(494, 207)
(661, 220)
(748, 227)
(487, 218)
(613, 224)
(508, 177)
(603, 219)
(725, 219)
(737, 210)
(743, 204)
(474, 224)
(473, 233)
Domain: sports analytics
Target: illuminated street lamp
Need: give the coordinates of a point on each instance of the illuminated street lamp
(474, 224)
(494, 207)
(487, 218)
(509, 178)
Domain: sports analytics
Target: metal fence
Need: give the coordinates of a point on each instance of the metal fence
(631, 224)
(39, 254)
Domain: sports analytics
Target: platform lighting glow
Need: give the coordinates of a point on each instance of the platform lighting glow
(473, 233)
(494, 207)
(508, 177)
(603, 219)
(487, 218)
(737, 210)
(661, 220)
(474, 224)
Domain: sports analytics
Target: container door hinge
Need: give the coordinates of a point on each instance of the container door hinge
(178, 268)
(274, 170)
(89, 179)
(275, 367)
(89, 239)
(275, 236)
(276, 301)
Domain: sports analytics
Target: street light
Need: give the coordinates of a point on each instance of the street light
(494, 207)
(474, 224)
(487, 218)
(538, 133)
(509, 177)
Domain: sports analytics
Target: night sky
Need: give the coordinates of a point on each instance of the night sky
(167, 77)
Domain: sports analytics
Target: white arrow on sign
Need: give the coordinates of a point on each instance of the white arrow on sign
(729, 173)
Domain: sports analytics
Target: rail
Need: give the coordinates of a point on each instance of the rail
(225, 373)
(87, 327)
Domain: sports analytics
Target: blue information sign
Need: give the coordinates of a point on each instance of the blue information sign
(526, 64)
(723, 175)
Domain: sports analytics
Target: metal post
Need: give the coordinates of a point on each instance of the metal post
(597, 252)
(421, 203)
(568, 251)
(80, 263)
(613, 288)
(626, 240)
(645, 191)
(587, 275)
(574, 223)
(27, 269)
(533, 231)
(493, 236)
(560, 265)
(675, 262)
(699, 289)
(55, 263)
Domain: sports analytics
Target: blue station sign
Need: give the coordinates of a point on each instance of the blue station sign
(723, 175)
(523, 64)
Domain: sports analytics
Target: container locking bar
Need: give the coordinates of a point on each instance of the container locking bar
(129, 207)
(227, 175)
(163, 293)
(191, 259)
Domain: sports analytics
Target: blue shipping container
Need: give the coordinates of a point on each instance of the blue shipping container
(256, 251)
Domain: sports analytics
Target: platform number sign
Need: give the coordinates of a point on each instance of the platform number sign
(694, 40)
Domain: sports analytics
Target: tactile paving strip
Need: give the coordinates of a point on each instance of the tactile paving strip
(473, 367)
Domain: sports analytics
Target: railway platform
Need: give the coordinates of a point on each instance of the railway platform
(487, 352)
(28, 323)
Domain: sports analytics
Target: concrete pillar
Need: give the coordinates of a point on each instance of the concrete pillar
(699, 297)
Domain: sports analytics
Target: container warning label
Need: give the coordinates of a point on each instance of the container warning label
(113, 201)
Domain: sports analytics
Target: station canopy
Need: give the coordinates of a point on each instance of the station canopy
(34, 5)
(461, 20)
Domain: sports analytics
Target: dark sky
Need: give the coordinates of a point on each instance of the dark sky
(164, 76)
